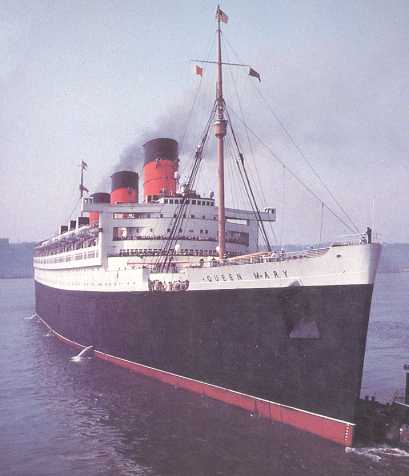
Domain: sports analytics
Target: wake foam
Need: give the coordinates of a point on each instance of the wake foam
(30, 318)
(85, 353)
(377, 453)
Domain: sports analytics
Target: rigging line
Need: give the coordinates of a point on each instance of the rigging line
(293, 174)
(196, 96)
(189, 117)
(181, 211)
(245, 185)
(283, 208)
(300, 151)
(250, 145)
(168, 243)
(273, 232)
(204, 140)
(211, 43)
(74, 193)
(229, 168)
(240, 184)
(296, 145)
(247, 133)
(72, 211)
(196, 163)
(235, 160)
(251, 196)
(257, 211)
(254, 162)
(247, 189)
(322, 221)
(204, 133)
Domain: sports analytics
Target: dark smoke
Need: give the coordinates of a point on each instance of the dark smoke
(172, 125)
(179, 124)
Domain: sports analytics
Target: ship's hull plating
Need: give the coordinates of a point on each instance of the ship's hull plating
(300, 346)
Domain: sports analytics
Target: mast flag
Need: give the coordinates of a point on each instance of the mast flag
(84, 165)
(220, 15)
(253, 72)
(198, 70)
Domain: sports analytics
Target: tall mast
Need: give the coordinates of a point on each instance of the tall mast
(220, 126)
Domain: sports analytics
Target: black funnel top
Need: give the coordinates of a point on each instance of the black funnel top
(164, 149)
(124, 179)
(101, 197)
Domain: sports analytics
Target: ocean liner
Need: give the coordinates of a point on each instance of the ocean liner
(177, 287)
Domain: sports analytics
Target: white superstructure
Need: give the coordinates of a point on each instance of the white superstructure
(121, 253)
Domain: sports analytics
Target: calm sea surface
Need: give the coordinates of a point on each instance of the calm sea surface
(89, 418)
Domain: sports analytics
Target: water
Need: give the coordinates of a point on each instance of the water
(388, 337)
(59, 417)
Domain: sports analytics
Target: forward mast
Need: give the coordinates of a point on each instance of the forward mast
(220, 127)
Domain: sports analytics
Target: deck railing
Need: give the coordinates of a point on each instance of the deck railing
(350, 240)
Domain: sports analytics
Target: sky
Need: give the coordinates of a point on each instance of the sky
(92, 80)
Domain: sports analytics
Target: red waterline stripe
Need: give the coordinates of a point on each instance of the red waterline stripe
(328, 428)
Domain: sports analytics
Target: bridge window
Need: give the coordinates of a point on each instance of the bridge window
(122, 216)
(239, 237)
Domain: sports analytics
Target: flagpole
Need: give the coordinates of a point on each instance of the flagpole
(82, 182)
(220, 132)
(83, 189)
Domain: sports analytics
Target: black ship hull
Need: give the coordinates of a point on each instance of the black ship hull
(301, 346)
